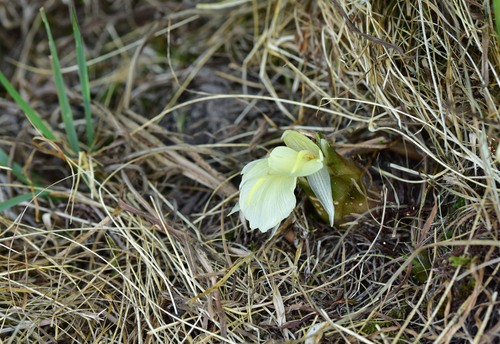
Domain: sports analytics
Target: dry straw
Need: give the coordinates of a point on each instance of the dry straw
(133, 243)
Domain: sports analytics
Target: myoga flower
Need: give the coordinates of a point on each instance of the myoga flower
(267, 186)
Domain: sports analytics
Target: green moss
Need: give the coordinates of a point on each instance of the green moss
(466, 288)
(373, 326)
(461, 261)
(421, 266)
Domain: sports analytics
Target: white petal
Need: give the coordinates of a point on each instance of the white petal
(298, 142)
(235, 209)
(321, 186)
(286, 161)
(266, 201)
(255, 169)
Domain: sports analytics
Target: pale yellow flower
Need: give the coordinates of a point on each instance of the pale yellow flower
(267, 187)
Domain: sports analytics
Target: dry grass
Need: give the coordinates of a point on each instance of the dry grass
(135, 245)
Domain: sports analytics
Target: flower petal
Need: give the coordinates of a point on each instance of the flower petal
(320, 184)
(265, 201)
(298, 142)
(255, 169)
(286, 161)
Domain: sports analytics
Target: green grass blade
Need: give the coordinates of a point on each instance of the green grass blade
(16, 169)
(12, 202)
(32, 115)
(18, 172)
(496, 16)
(66, 112)
(84, 79)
